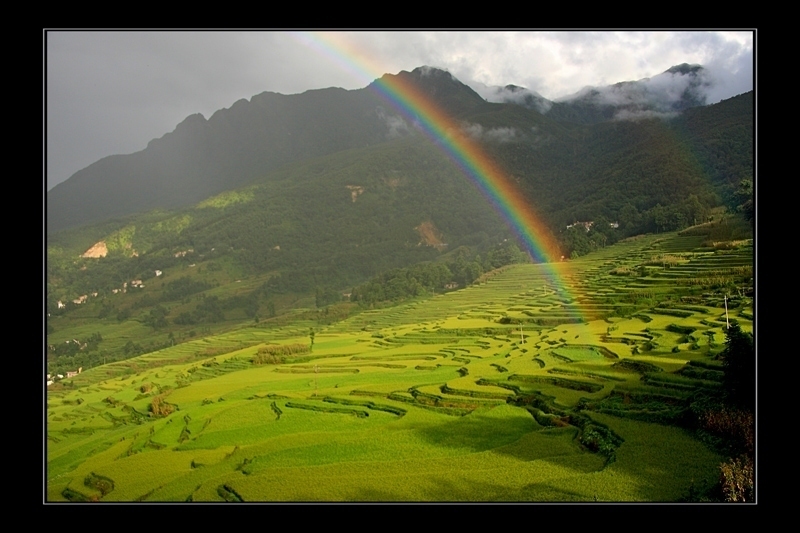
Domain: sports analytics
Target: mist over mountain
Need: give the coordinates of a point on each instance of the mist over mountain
(678, 88)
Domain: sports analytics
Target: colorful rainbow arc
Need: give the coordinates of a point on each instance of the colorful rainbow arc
(498, 188)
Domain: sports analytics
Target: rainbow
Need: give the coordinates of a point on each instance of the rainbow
(493, 183)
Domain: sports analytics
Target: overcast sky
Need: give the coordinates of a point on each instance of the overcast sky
(112, 92)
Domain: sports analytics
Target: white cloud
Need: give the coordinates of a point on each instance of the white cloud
(397, 126)
(500, 134)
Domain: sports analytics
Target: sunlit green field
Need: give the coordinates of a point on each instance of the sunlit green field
(483, 394)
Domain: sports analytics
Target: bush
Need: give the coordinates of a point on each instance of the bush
(737, 478)
(160, 408)
(277, 354)
(101, 483)
(735, 426)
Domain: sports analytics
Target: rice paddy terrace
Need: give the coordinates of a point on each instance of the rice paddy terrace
(519, 388)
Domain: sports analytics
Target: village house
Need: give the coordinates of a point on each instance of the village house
(586, 225)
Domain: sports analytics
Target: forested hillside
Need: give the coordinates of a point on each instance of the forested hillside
(290, 201)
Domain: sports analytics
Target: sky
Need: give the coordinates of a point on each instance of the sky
(111, 92)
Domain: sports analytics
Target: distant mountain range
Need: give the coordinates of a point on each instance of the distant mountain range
(568, 156)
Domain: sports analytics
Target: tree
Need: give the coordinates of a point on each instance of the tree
(157, 318)
(660, 217)
(738, 359)
(744, 195)
(695, 210)
(629, 218)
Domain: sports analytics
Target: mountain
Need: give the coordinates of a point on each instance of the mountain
(243, 143)
(632, 151)
(678, 88)
(239, 144)
(204, 157)
(675, 90)
(270, 211)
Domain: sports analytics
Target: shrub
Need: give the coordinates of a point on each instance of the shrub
(735, 426)
(101, 483)
(685, 330)
(278, 353)
(160, 408)
(737, 478)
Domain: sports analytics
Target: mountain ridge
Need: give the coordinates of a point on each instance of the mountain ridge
(237, 145)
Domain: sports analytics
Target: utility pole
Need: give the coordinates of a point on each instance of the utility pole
(728, 324)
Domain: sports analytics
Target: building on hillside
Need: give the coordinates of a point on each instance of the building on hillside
(585, 225)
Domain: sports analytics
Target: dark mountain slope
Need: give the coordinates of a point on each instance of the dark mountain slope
(203, 157)
(333, 221)
(565, 169)
(721, 138)
(237, 145)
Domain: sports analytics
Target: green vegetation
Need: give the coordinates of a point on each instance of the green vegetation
(538, 382)
(342, 317)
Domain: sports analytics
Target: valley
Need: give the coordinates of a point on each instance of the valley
(571, 381)
(409, 293)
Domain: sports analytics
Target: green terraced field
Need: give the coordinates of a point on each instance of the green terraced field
(489, 393)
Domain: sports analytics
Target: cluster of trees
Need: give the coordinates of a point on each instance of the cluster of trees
(629, 221)
(210, 309)
(183, 287)
(426, 278)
